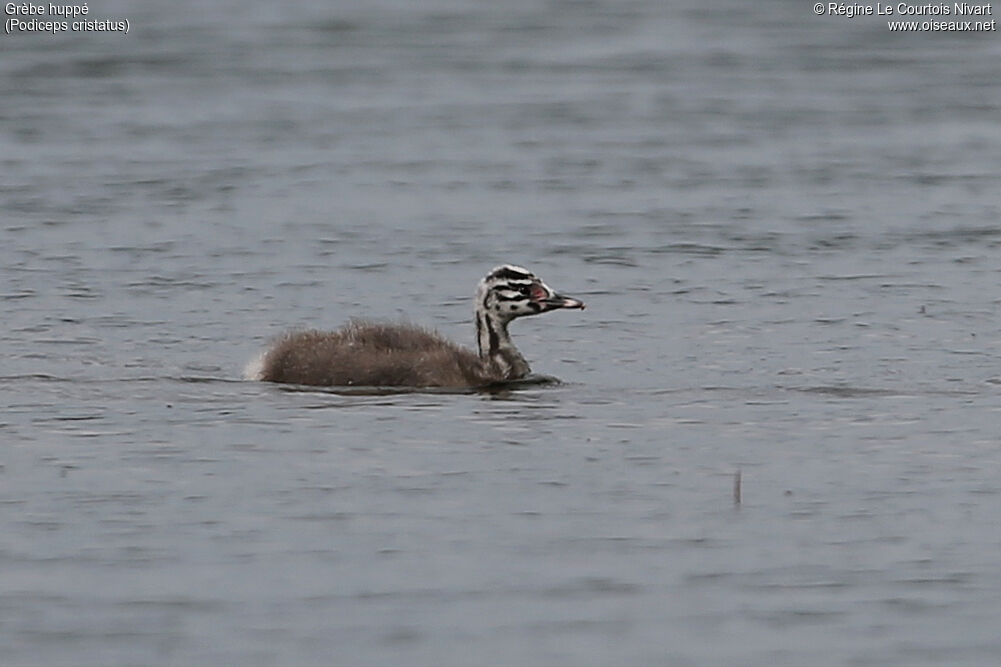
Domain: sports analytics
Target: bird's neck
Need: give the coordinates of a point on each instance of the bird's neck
(496, 348)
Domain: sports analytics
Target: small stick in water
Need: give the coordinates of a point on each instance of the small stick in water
(736, 487)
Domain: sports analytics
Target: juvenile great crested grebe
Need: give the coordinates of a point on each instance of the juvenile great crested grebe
(401, 355)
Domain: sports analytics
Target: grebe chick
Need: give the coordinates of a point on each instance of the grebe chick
(400, 355)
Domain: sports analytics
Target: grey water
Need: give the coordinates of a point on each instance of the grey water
(786, 229)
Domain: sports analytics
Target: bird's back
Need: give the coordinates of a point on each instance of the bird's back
(372, 354)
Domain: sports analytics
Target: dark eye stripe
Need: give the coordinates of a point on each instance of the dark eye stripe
(520, 286)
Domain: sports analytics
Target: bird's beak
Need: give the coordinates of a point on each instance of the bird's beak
(559, 301)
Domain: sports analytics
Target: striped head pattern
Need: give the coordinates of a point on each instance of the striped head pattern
(510, 291)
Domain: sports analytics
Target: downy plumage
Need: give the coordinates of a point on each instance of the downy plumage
(400, 355)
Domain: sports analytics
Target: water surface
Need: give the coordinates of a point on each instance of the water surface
(786, 230)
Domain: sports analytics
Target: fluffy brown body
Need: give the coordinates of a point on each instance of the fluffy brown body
(377, 355)
(368, 354)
